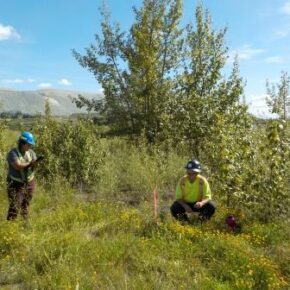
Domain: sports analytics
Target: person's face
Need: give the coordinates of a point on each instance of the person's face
(25, 147)
(191, 174)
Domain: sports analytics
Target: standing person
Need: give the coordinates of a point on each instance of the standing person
(20, 180)
(193, 195)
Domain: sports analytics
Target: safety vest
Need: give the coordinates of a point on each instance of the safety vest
(200, 186)
(26, 174)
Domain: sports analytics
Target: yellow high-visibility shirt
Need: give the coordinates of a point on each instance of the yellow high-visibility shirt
(191, 192)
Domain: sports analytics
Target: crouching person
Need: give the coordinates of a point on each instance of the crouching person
(193, 195)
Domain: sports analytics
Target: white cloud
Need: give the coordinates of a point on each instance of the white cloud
(8, 32)
(258, 106)
(65, 82)
(18, 81)
(100, 91)
(246, 52)
(274, 59)
(44, 85)
(13, 81)
(281, 33)
(285, 9)
(257, 100)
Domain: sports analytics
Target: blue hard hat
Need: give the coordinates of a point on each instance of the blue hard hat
(193, 165)
(27, 137)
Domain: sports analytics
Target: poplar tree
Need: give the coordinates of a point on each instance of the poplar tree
(278, 98)
(136, 69)
(203, 94)
(164, 80)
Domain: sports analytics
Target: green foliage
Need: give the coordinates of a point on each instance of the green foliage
(132, 173)
(70, 150)
(278, 96)
(275, 150)
(228, 153)
(249, 167)
(247, 164)
(3, 152)
(77, 153)
(136, 69)
(74, 239)
(161, 79)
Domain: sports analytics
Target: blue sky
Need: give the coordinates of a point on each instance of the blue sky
(36, 38)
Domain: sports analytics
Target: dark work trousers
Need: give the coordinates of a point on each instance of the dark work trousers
(19, 196)
(205, 213)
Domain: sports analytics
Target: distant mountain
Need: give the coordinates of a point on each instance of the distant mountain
(33, 102)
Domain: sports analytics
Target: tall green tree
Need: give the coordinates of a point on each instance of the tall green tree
(279, 96)
(161, 79)
(202, 91)
(136, 69)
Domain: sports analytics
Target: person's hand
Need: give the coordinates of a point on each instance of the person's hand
(40, 158)
(198, 205)
(33, 163)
